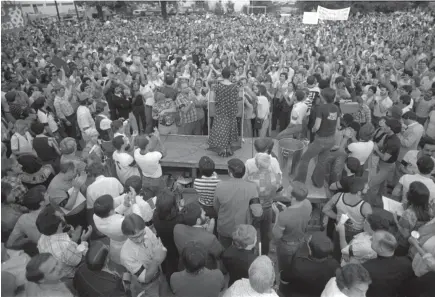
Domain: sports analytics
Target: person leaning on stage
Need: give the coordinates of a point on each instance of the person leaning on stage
(147, 156)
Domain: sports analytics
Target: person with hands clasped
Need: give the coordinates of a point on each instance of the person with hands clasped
(61, 240)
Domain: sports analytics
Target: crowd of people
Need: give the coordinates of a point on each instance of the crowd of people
(87, 211)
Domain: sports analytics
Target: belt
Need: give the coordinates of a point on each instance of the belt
(293, 242)
(155, 277)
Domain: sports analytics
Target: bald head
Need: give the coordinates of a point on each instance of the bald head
(384, 243)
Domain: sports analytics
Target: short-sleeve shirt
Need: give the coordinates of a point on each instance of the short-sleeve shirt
(329, 114)
(391, 146)
(134, 256)
(123, 168)
(47, 118)
(295, 221)
(149, 163)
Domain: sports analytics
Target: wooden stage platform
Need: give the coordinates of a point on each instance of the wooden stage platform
(184, 151)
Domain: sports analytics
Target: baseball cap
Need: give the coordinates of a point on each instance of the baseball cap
(105, 124)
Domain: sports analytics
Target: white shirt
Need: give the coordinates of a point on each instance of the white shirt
(331, 289)
(147, 92)
(407, 179)
(251, 166)
(386, 103)
(298, 114)
(263, 107)
(47, 118)
(103, 186)
(411, 158)
(149, 163)
(242, 288)
(361, 150)
(84, 118)
(111, 227)
(144, 208)
(123, 168)
(134, 256)
(22, 144)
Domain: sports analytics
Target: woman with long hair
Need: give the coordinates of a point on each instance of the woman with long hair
(415, 215)
(166, 216)
(224, 137)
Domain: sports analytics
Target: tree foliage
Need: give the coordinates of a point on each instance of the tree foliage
(113, 5)
(229, 6)
(360, 6)
(163, 5)
(219, 8)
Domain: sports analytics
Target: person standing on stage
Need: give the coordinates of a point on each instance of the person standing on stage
(224, 136)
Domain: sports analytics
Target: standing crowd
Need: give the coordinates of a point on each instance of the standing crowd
(87, 211)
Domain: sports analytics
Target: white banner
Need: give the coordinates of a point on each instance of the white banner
(333, 14)
(310, 18)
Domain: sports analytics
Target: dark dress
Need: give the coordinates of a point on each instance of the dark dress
(224, 132)
(165, 231)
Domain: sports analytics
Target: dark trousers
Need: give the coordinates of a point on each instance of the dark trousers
(266, 230)
(280, 114)
(152, 186)
(72, 130)
(139, 113)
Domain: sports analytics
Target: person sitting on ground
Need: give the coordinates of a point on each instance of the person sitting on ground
(196, 279)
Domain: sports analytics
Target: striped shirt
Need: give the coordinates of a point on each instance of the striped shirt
(205, 187)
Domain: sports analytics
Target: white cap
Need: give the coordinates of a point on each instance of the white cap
(105, 124)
